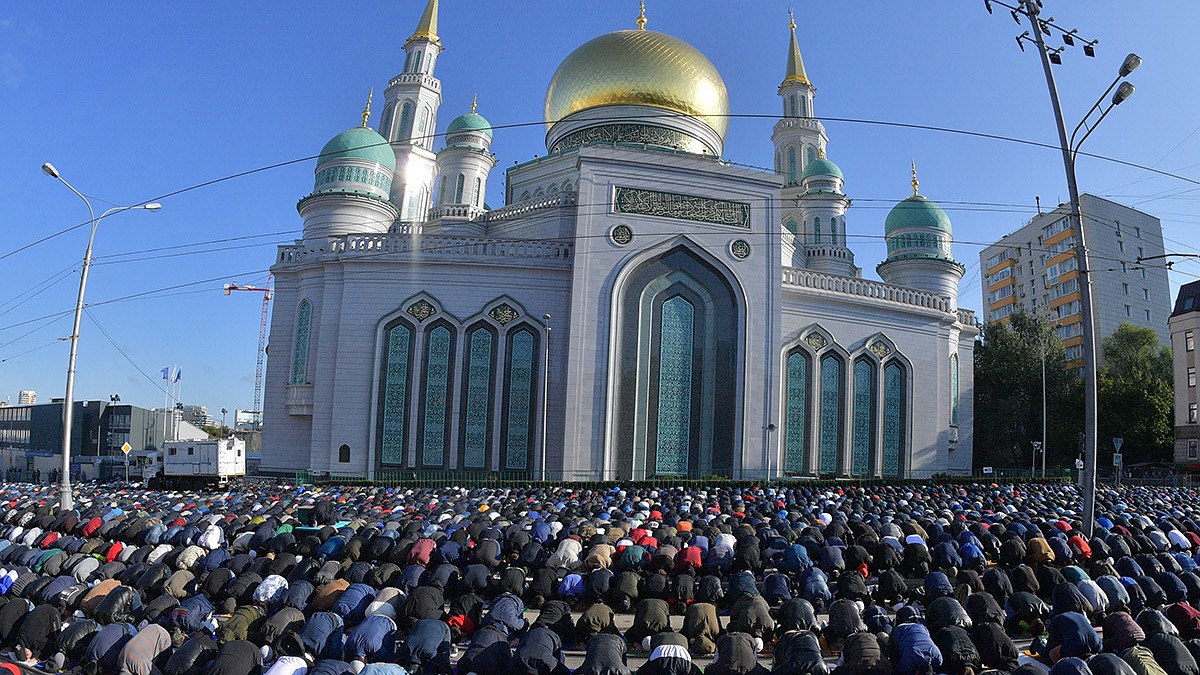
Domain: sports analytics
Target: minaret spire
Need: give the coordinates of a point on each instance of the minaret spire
(915, 183)
(366, 113)
(641, 20)
(795, 64)
(427, 26)
(474, 101)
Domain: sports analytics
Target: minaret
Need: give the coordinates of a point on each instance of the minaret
(823, 207)
(798, 138)
(919, 240)
(463, 167)
(409, 118)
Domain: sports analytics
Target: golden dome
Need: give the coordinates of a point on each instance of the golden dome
(639, 67)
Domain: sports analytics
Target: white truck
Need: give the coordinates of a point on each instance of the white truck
(205, 462)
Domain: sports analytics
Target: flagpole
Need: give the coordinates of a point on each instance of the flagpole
(166, 404)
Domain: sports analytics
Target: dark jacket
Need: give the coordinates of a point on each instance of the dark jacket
(735, 656)
(605, 656)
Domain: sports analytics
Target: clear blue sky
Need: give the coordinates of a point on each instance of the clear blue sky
(134, 100)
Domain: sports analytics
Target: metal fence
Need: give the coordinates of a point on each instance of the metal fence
(584, 479)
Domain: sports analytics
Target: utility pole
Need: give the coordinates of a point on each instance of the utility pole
(1030, 10)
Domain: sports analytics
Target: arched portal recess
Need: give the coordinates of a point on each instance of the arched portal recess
(678, 341)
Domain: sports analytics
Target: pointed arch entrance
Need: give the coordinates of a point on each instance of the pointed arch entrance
(677, 349)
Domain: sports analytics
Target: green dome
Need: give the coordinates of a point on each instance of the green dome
(470, 122)
(822, 167)
(916, 212)
(359, 143)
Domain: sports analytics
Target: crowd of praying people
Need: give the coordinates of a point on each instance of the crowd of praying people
(920, 579)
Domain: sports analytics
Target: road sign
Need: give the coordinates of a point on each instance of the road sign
(987, 469)
(1117, 460)
(1079, 464)
(1118, 442)
(126, 448)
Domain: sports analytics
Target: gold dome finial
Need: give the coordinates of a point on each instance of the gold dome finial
(474, 100)
(821, 152)
(915, 183)
(791, 19)
(641, 20)
(366, 113)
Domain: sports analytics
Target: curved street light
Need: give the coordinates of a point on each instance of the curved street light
(1070, 149)
(66, 499)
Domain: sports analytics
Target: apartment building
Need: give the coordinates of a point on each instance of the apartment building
(1185, 327)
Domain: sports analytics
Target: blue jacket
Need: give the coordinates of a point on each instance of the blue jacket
(913, 650)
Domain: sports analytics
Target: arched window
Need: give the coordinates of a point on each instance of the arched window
(778, 162)
(804, 106)
(385, 121)
(419, 137)
(791, 165)
(408, 59)
(832, 414)
(811, 153)
(791, 227)
(792, 105)
(796, 425)
(954, 390)
(458, 189)
(405, 117)
(816, 230)
(344, 453)
(477, 398)
(437, 376)
(478, 192)
(862, 449)
(675, 354)
(300, 343)
(894, 411)
(397, 371)
(442, 192)
(520, 394)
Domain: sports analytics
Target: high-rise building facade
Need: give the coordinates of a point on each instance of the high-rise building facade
(26, 397)
(1033, 270)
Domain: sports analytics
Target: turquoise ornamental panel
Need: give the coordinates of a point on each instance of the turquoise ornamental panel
(864, 418)
(517, 441)
(437, 393)
(300, 348)
(954, 389)
(395, 396)
(796, 440)
(675, 387)
(893, 419)
(479, 399)
(831, 414)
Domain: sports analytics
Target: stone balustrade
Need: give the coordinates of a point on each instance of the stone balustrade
(417, 78)
(864, 288)
(446, 247)
(521, 208)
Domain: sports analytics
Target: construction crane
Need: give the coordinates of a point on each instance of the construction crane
(262, 337)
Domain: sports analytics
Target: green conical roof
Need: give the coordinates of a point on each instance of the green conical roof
(359, 143)
(916, 212)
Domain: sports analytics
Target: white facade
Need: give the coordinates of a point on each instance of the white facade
(215, 457)
(622, 316)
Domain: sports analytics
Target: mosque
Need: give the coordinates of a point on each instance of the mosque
(638, 307)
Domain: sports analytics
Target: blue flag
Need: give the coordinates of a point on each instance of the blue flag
(166, 373)
(178, 375)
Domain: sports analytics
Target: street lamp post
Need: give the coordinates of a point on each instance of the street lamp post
(66, 500)
(545, 391)
(1070, 149)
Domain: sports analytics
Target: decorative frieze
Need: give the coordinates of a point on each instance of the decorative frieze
(681, 207)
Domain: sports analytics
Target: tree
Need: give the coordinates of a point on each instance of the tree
(1136, 395)
(1008, 395)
